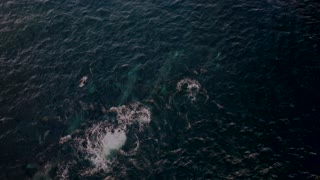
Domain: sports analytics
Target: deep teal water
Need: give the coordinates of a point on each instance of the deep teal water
(251, 110)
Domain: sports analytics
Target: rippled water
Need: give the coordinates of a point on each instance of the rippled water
(121, 89)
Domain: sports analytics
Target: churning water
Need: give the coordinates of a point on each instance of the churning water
(150, 89)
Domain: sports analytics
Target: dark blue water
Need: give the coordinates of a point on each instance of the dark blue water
(121, 89)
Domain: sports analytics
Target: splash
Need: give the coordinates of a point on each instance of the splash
(134, 112)
(64, 139)
(98, 142)
(192, 87)
(83, 81)
(63, 170)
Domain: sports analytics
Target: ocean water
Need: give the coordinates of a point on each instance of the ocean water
(150, 89)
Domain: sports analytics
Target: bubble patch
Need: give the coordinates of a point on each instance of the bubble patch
(97, 142)
(134, 112)
(192, 87)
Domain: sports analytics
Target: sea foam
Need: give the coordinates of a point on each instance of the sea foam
(99, 140)
(192, 87)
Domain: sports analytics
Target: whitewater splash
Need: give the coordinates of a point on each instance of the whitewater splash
(83, 81)
(135, 112)
(98, 142)
(193, 90)
(192, 87)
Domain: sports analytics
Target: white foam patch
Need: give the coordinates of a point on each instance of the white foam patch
(134, 112)
(98, 141)
(64, 139)
(63, 170)
(83, 81)
(193, 87)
